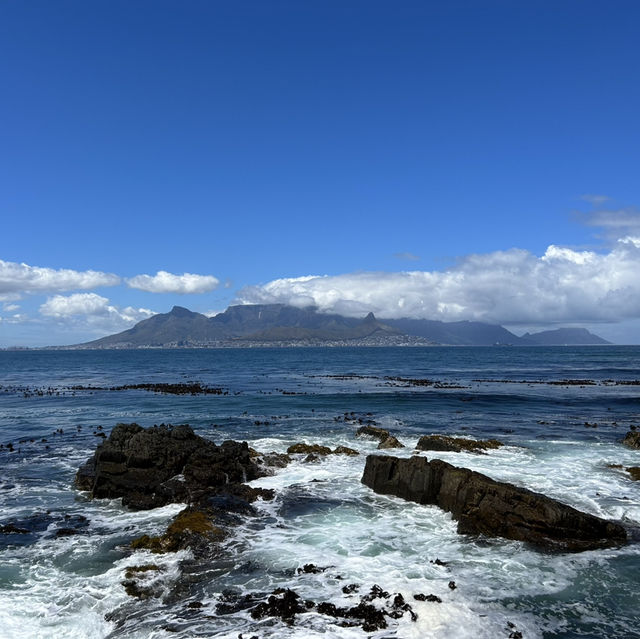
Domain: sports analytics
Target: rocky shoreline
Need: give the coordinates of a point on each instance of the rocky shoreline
(152, 467)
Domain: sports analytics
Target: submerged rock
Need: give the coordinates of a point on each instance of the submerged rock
(632, 439)
(482, 505)
(150, 467)
(456, 444)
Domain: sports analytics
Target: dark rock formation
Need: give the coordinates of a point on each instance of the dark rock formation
(632, 439)
(456, 444)
(485, 506)
(150, 467)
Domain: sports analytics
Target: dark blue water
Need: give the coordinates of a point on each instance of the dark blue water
(560, 439)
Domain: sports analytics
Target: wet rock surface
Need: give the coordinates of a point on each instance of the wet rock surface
(482, 505)
(151, 467)
(632, 439)
(456, 444)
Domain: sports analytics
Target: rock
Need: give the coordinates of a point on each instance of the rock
(308, 449)
(190, 528)
(431, 598)
(372, 432)
(634, 471)
(150, 467)
(286, 605)
(345, 450)
(456, 444)
(390, 442)
(272, 460)
(632, 439)
(482, 505)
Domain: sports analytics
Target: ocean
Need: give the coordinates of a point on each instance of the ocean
(561, 439)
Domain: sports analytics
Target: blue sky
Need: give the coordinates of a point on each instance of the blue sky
(256, 143)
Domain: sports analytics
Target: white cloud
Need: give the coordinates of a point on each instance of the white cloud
(512, 286)
(17, 279)
(91, 311)
(10, 307)
(163, 282)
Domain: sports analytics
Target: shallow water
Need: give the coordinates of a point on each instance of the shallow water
(559, 440)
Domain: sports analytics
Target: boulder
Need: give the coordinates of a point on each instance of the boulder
(150, 467)
(632, 439)
(482, 505)
(456, 444)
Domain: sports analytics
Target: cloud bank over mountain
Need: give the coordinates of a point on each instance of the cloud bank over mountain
(503, 287)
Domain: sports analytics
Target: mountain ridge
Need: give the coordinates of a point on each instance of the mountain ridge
(283, 325)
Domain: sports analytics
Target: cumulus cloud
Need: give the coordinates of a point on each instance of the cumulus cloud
(92, 311)
(513, 286)
(17, 279)
(163, 282)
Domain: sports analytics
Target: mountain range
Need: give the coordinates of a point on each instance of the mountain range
(282, 325)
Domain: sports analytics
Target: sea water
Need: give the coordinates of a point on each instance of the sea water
(560, 440)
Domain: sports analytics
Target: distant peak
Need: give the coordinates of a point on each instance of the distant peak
(181, 311)
(370, 317)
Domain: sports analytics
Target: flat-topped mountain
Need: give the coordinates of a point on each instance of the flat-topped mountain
(279, 324)
(247, 323)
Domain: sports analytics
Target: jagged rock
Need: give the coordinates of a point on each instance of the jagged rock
(150, 467)
(308, 449)
(390, 442)
(632, 439)
(456, 444)
(482, 505)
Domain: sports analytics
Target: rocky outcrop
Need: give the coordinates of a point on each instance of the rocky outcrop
(456, 444)
(151, 467)
(482, 505)
(632, 439)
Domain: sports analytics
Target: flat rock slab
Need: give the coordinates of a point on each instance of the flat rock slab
(482, 505)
